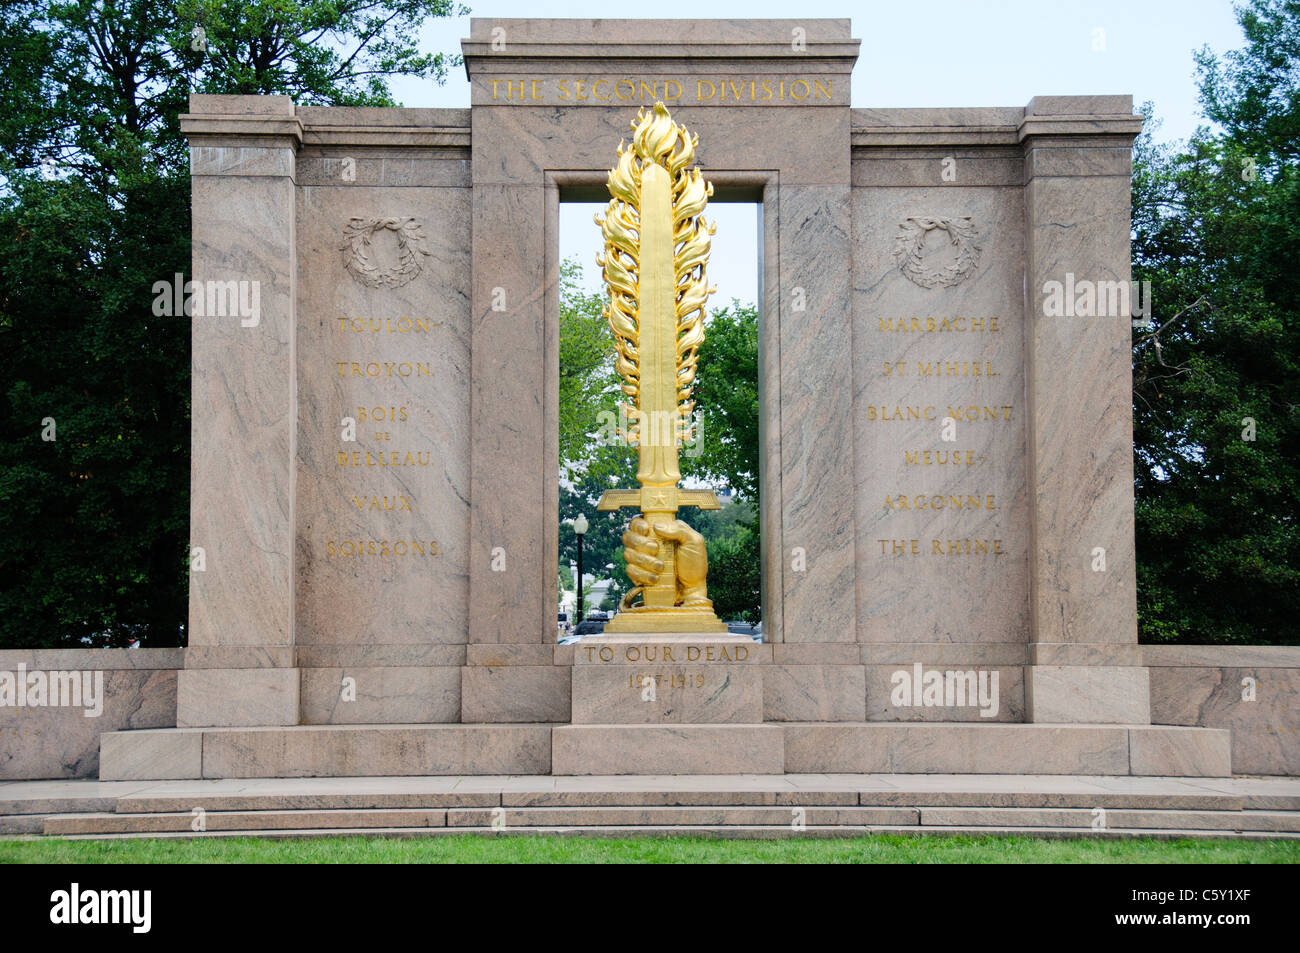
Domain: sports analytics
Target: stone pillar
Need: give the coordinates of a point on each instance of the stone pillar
(240, 663)
(942, 515)
(510, 674)
(1085, 663)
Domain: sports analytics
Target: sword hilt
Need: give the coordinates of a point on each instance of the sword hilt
(650, 499)
(658, 505)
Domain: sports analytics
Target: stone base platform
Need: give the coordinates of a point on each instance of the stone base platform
(736, 806)
(325, 751)
(626, 749)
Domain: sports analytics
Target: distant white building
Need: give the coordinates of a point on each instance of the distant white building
(594, 591)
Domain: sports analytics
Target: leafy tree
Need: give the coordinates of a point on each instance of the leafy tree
(735, 576)
(320, 52)
(726, 401)
(604, 530)
(588, 382)
(94, 209)
(1217, 376)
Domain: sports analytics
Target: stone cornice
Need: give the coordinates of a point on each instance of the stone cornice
(602, 42)
(267, 130)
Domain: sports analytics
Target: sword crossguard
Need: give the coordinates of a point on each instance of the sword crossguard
(658, 499)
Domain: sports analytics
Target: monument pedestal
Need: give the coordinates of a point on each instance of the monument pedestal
(679, 619)
(650, 703)
(655, 679)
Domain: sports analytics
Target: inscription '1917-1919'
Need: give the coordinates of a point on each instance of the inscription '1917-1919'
(671, 680)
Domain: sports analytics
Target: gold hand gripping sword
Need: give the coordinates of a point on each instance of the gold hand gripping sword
(656, 246)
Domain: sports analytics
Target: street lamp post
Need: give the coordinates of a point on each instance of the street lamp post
(580, 528)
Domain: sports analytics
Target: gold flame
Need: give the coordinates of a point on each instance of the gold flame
(656, 139)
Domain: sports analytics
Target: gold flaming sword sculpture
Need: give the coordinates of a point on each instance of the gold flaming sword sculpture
(656, 246)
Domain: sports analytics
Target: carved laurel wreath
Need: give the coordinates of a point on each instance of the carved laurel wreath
(357, 235)
(910, 243)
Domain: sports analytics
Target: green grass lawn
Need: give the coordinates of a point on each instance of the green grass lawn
(481, 849)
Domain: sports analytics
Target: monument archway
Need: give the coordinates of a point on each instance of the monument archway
(771, 109)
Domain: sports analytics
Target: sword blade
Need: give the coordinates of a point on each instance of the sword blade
(657, 463)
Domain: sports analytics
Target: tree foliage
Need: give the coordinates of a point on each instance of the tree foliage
(1217, 378)
(94, 209)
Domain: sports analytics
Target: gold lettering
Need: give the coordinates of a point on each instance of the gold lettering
(381, 547)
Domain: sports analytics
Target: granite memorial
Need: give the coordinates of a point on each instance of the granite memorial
(947, 506)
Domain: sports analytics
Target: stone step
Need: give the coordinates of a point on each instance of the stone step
(702, 816)
(652, 804)
(903, 797)
(736, 831)
(22, 823)
(678, 817)
(246, 821)
(325, 751)
(43, 804)
(1276, 821)
(687, 749)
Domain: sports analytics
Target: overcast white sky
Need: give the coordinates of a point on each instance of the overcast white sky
(926, 53)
